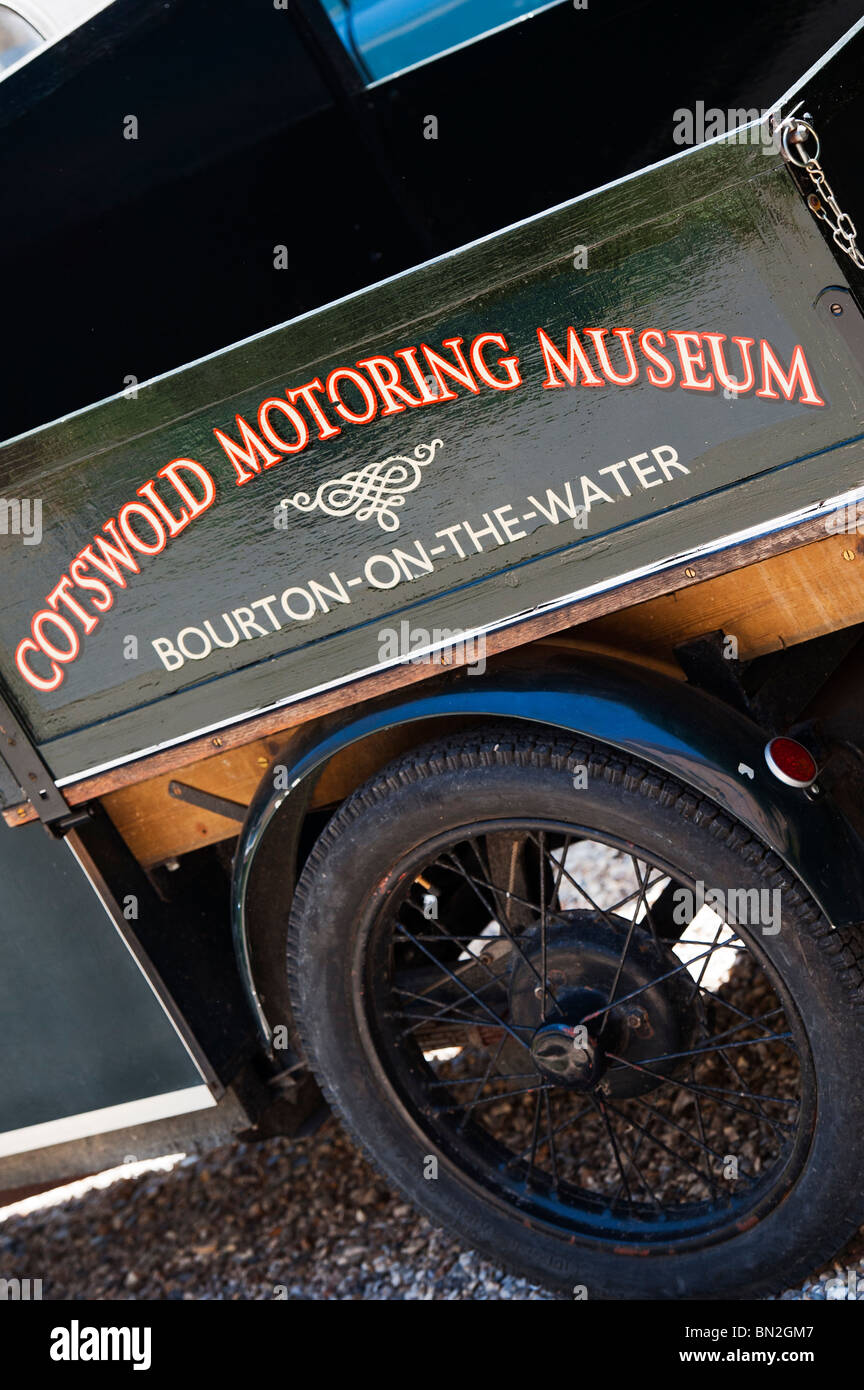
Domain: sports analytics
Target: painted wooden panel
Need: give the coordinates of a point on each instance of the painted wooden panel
(61, 1060)
(453, 507)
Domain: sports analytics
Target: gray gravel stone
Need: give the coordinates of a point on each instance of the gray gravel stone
(274, 1220)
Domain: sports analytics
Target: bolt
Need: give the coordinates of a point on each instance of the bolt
(636, 1019)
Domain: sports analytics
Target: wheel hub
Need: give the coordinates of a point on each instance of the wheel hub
(577, 1041)
(567, 1055)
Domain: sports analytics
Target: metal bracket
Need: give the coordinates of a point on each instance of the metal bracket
(28, 769)
(835, 305)
(208, 801)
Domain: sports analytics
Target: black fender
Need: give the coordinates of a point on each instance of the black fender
(681, 730)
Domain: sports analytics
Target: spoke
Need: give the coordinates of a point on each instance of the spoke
(724, 946)
(483, 1083)
(543, 972)
(667, 1120)
(473, 1080)
(733, 1008)
(650, 985)
(490, 1100)
(441, 1005)
(559, 868)
(700, 977)
(641, 898)
(696, 1101)
(630, 930)
(534, 1129)
(640, 1175)
(660, 1145)
(631, 1156)
(741, 1081)
(748, 1023)
(601, 1109)
(499, 1022)
(635, 892)
(709, 1091)
(604, 912)
(460, 940)
(464, 1020)
(552, 1151)
(429, 998)
(703, 1051)
(661, 907)
(457, 867)
(496, 916)
(519, 1158)
(442, 937)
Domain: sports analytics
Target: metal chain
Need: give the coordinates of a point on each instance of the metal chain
(822, 202)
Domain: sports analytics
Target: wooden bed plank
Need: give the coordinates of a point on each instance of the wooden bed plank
(777, 603)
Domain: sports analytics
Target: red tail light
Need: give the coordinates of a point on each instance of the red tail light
(791, 762)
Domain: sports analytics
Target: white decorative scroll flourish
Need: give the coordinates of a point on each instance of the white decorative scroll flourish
(374, 491)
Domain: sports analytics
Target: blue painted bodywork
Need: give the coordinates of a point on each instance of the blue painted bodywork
(667, 723)
(385, 36)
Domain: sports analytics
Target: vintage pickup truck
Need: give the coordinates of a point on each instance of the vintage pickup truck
(491, 775)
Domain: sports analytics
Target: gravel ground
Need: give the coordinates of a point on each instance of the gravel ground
(308, 1220)
(311, 1219)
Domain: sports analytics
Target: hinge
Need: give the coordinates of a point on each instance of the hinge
(28, 769)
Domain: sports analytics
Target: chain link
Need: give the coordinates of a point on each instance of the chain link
(821, 202)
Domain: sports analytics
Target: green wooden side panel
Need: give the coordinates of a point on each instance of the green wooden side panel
(83, 1029)
(467, 535)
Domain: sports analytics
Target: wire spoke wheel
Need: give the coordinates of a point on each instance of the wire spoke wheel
(625, 1078)
(590, 1024)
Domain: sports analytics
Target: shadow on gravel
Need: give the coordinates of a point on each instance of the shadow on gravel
(308, 1220)
(296, 1221)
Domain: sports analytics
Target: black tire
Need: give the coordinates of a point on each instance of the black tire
(345, 896)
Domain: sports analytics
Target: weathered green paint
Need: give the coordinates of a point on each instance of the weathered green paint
(717, 241)
(62, 1025)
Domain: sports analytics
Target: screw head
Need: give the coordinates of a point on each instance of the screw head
(836, 309)
(848, 554)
